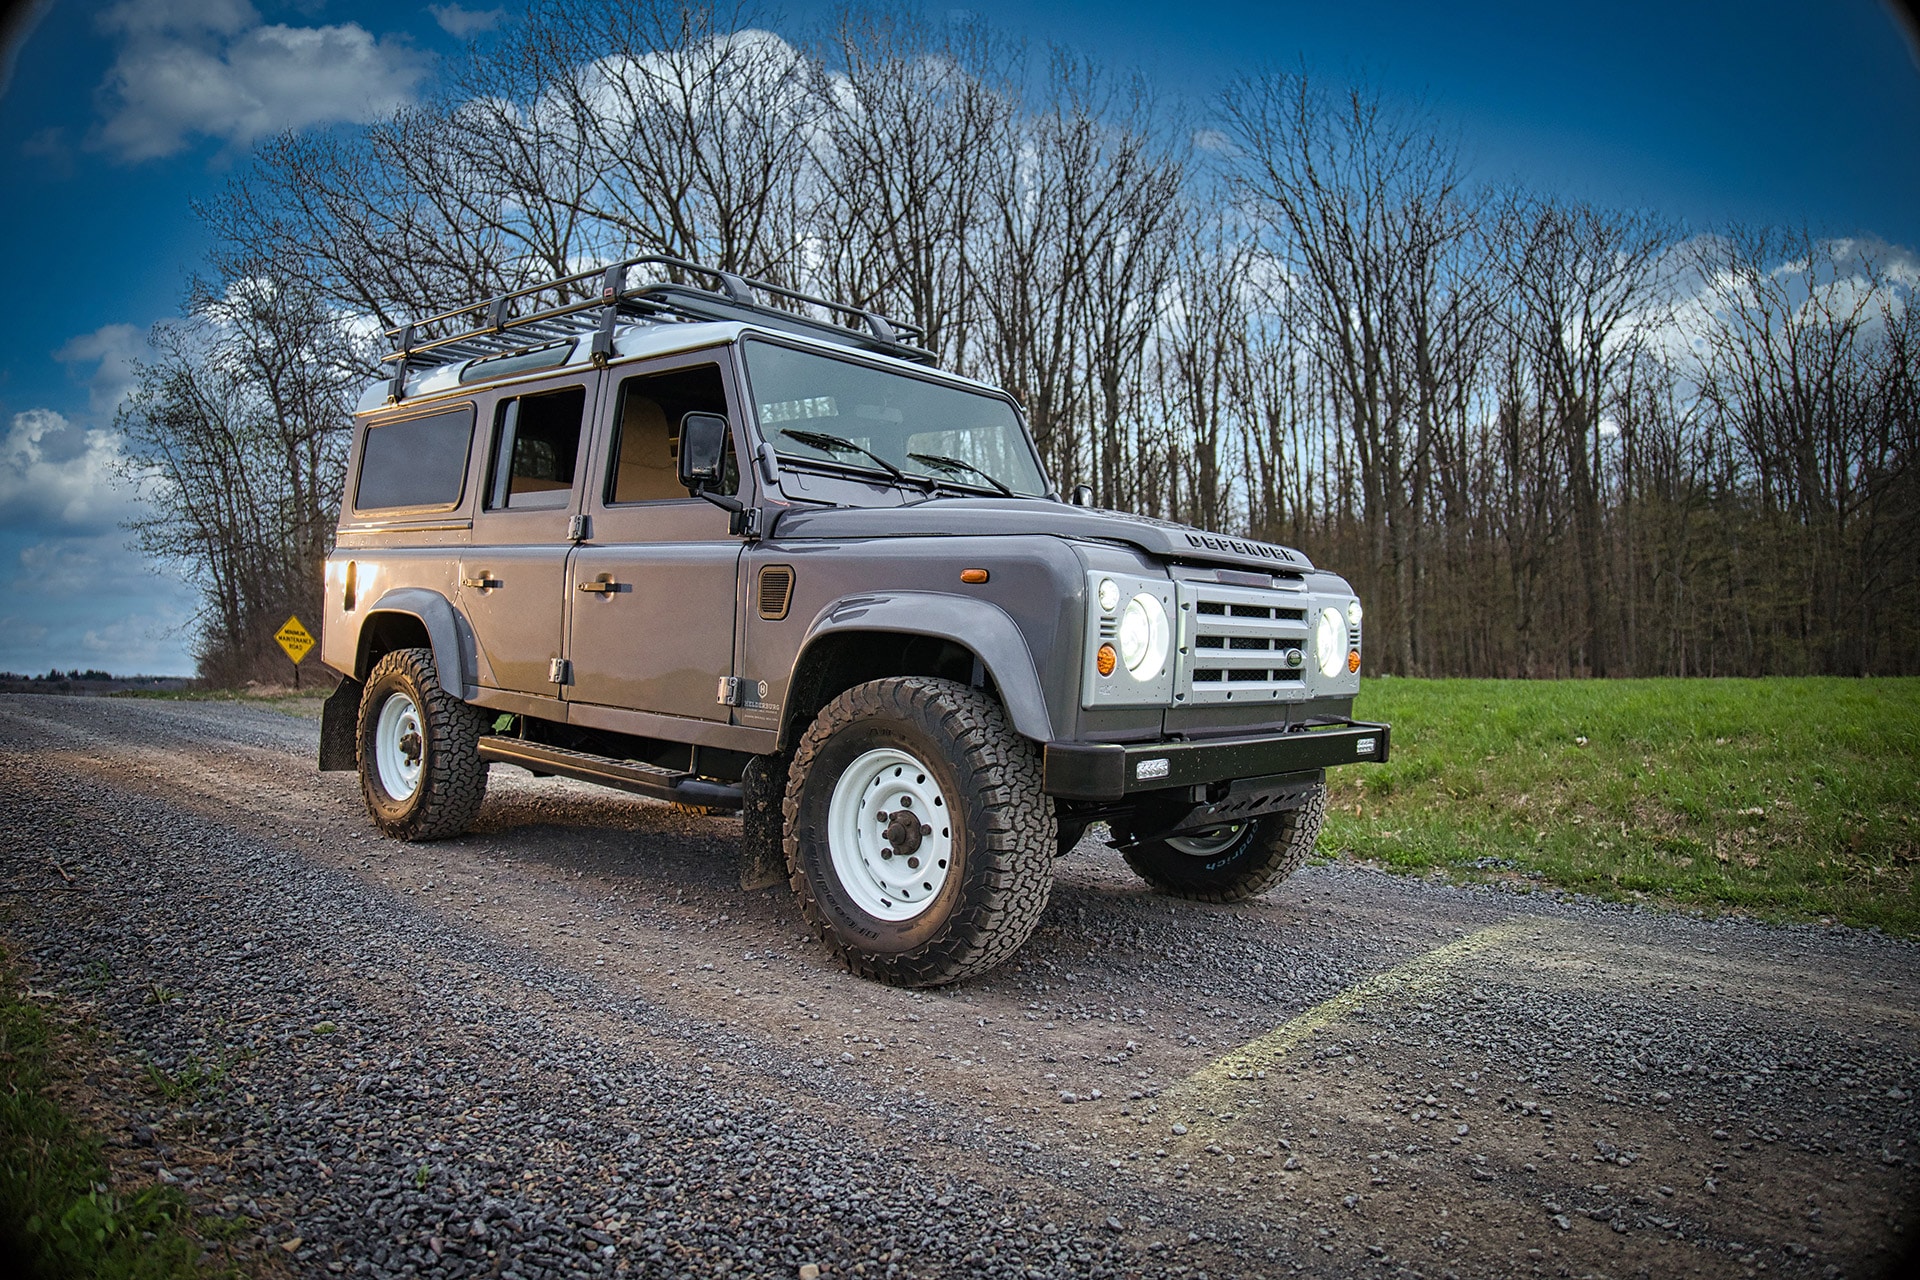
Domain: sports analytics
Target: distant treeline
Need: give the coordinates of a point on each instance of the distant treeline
(1541, 438)
(90, 681)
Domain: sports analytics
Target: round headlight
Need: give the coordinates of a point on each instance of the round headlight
(1353, 613)
(1330, 643)
(1145, 637)
(1109, 595)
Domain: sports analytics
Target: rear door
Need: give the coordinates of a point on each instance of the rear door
(513, 577)
(652, 593)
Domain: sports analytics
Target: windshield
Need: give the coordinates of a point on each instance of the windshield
(826, 410)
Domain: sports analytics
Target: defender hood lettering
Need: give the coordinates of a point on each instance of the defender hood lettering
(990, 516)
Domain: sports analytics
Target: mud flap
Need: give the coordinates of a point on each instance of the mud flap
(763, 853)
(339, 728)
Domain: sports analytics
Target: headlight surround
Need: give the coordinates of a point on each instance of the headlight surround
(1330, 643)
(1146, 636)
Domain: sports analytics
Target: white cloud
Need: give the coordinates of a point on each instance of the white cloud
(461, 23)
(111, 349)
(1214, 141)
(129, 619)
(55, 474)
(210, 68)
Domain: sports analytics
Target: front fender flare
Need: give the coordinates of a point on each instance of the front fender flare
(979, 625)
(443, 633)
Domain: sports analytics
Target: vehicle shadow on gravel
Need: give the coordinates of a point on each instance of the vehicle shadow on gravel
(586, 830)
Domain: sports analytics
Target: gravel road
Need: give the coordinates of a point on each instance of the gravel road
(568, 1044)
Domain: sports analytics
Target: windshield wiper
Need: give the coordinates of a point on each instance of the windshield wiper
(954, 466)
(837, 444)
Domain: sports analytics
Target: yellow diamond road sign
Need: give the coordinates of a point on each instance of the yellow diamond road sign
(295, 639)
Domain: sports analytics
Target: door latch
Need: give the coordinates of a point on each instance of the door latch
(482, 583)
(559, 671)
(601, 587)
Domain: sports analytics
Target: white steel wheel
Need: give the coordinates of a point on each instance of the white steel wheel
(1207, 843)
(890, 834)
(399, 746)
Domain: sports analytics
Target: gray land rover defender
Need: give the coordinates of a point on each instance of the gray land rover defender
(687, 538)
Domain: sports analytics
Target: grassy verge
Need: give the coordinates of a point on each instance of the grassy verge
(59, 1216)
(1785, 798)
(303, 702)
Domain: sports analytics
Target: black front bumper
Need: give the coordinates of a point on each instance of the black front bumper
(1114, 771)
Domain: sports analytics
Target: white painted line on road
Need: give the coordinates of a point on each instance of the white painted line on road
(1246, 1062)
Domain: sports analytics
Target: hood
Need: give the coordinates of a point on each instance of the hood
(1014, 516)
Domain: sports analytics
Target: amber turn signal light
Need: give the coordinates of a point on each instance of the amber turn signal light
(1353, 659)
(1105, 660)
(973, 575)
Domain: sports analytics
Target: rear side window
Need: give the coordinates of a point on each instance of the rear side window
(536, 448)
(415, 462)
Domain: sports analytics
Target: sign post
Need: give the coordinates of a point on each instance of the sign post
(296, 640)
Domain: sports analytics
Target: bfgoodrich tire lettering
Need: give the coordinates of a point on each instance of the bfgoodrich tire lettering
(420, 767)
(998, 836)
(1264, 852)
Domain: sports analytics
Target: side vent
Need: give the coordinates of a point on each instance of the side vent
(776, 591)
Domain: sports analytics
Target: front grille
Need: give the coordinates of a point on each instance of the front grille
(1239, 644)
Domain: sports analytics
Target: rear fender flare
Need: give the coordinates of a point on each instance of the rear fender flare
(980, 626)
(444, 633)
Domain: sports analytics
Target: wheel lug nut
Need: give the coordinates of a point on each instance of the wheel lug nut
(926, 831)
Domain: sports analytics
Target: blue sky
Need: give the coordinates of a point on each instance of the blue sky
(117, 116)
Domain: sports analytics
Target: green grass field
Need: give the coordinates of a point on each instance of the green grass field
(1790, 799)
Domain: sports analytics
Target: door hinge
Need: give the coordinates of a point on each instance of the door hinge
(733, 692)
(579, 528)
(744, 522)
(559, 671)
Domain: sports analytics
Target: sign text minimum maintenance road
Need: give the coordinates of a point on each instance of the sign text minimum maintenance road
(295, 639)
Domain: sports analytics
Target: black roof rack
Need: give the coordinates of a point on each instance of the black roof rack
(494, 327)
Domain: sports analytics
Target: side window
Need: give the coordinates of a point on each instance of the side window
(536, 446)
(415, 462)
(646, 447)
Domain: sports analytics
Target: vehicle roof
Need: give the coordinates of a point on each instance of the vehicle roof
(635, 339)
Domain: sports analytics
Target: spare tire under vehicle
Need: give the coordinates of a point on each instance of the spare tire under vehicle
(1231, 863)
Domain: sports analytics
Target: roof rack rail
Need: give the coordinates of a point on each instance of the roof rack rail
(493, 328)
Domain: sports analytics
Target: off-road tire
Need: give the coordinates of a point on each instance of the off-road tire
(1002, 853)
(1268, 851)
(453, 777)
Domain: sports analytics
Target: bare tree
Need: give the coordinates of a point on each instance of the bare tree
(1363, 205)
(237, 431)
(1809, 363)
(1532, 451)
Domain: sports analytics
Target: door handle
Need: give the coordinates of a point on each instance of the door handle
(482, 584)
(604, 588)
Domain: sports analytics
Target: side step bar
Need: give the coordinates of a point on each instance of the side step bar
(627, 775)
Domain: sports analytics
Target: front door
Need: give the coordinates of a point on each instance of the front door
(513, 576)
(652, 593)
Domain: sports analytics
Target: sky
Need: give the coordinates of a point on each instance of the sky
(116, 117)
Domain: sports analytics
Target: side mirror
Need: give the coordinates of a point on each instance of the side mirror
(703, 446)
(1082, 495)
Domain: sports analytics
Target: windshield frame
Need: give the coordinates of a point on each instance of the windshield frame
(918, 477)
